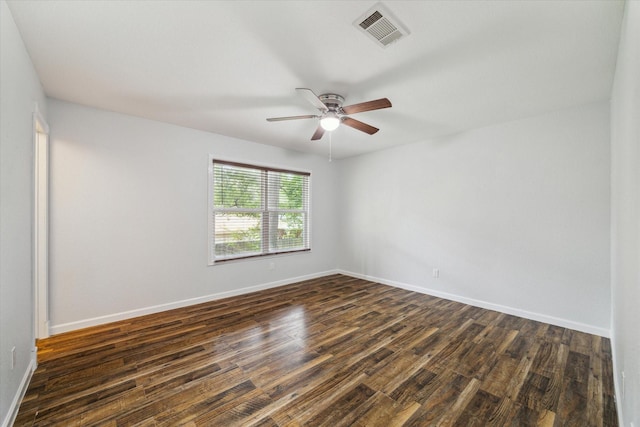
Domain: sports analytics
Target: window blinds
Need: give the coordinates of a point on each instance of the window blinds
(258, 211)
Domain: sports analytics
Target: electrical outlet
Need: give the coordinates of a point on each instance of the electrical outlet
(436, 273)
(13, 358)
(622, 385)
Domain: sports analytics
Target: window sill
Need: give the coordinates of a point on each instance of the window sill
(257, 257)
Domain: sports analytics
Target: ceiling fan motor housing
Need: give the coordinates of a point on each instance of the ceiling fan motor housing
(332, 101)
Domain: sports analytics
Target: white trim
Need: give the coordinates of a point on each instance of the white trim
(39, 118)
(40, 225)
(72, 326)
(211, 227)
(616, 383)
(565, 323)
(12, 413)
(34, 357)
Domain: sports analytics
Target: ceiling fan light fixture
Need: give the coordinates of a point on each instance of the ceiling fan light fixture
(333, 114)
(330, 121)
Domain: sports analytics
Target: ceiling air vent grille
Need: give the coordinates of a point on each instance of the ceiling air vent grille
(379, 25)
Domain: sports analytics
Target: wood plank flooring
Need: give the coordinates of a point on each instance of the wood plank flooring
(334, 351)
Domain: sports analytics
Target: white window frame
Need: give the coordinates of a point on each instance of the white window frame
(265, 251)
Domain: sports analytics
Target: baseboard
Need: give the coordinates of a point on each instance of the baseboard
(22, 390)
(616, 384)
(565, 323)
(72, 326)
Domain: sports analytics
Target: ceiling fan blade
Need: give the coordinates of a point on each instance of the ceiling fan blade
(312, 98)
(367, 106)
(357, 124)
(279, 119)
(318, 133)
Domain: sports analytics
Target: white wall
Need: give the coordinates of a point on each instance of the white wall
(129, 216)
(515, 216)
(20, 89)
(625, 224)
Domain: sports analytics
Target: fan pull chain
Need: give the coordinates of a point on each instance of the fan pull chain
(330, 133)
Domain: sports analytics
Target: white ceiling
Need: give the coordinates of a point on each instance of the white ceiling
(225, 66)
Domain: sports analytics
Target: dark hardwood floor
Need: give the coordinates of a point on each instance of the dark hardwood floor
(335, 351)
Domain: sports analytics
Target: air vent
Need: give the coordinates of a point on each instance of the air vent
(380, 25)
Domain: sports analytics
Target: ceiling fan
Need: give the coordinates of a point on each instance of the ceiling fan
(332, 113)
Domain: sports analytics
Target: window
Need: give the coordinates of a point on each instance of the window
(257, 211)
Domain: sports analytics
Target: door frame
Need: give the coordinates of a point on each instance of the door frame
(41, 226)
